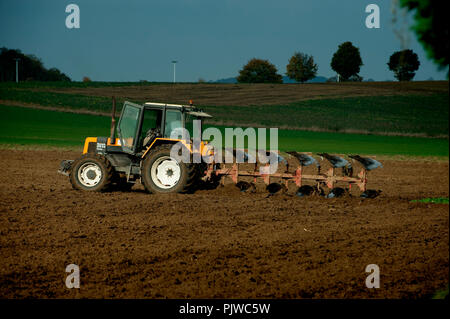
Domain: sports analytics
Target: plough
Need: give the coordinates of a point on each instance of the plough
(329, 178)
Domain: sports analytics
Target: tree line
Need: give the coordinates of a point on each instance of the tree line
(30, 68)
(346, 62)
(430, 27)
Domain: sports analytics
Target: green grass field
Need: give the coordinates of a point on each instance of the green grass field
(439, 200)
(73, 84)
(406, 115)
(409, 114)
(62, 100)
(408, 124)
(26, 126)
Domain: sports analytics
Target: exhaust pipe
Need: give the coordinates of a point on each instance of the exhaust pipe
(113, 121)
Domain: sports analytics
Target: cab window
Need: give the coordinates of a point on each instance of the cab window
(173, 123)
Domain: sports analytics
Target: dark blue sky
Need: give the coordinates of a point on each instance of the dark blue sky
(131, 40)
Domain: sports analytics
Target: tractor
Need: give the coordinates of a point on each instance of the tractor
(140, 152)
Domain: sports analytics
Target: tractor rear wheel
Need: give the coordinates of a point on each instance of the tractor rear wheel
(91, 172)
(163, 174)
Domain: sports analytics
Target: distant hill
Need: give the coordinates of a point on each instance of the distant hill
(317, 79)
(227, 80)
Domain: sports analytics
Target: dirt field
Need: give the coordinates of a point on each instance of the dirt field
(220, 243)
(256, 94)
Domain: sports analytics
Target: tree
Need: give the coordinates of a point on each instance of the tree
(431, 27)
(301, 67)
(54, 74)
(346, 61)
(30, 67)
(404, 64)
(259, 71)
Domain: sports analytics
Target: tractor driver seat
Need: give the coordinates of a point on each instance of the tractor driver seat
(150, 136)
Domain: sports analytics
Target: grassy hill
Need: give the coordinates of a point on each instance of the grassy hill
(387, 108)
(370, 118)
(28, 126)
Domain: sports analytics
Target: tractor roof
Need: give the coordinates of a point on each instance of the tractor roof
(189, 108)
(166, 104)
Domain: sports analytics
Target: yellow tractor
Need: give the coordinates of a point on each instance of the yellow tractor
(141, 151)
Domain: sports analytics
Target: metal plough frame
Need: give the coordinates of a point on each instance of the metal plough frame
(298, 177)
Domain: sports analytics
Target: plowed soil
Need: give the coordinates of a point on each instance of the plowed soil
(257, 94)
(219, 243)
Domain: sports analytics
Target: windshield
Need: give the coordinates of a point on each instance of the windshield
(128, 125)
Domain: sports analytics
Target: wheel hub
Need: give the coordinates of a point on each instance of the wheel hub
(165, 172)
(89, 174)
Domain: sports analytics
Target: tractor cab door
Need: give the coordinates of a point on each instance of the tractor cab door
(129, 125)
(151, 126)
(173, 124)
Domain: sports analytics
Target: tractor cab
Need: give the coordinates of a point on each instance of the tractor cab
(141, 126)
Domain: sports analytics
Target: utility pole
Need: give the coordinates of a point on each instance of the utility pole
(174, 70)
(17, 69)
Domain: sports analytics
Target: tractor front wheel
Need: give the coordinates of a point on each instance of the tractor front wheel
(91, 172)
